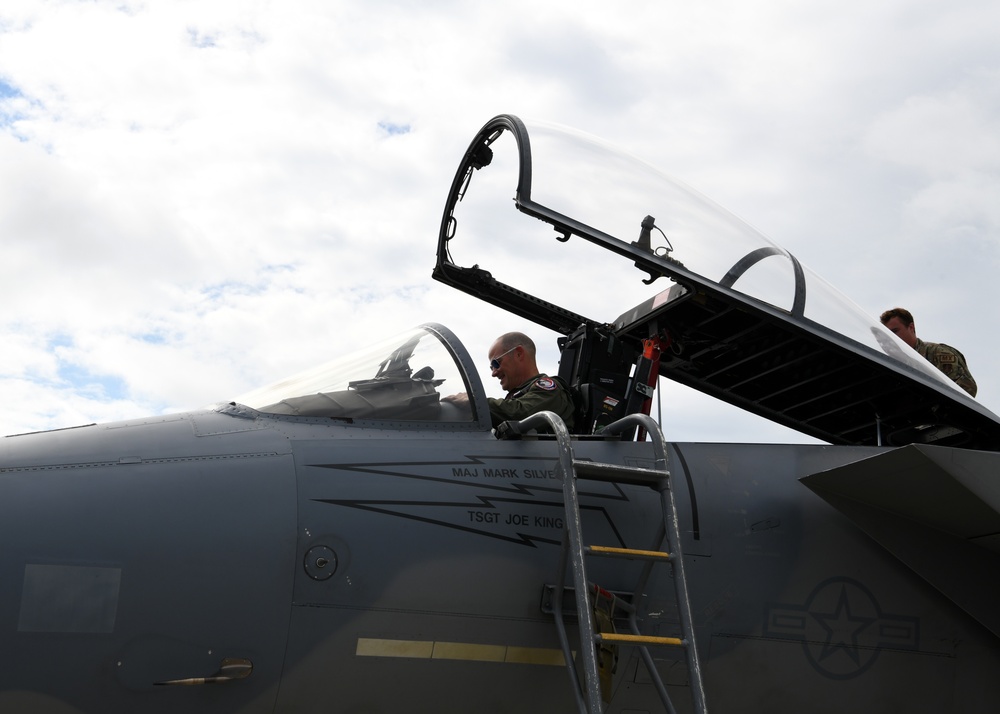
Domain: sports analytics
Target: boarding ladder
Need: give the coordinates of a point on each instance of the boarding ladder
(574, 554)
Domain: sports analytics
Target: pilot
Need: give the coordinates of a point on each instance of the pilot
(945, 358)
(512, 361)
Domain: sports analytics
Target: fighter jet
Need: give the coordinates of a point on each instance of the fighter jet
(347, 541)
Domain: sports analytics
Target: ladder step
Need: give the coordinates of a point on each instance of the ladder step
(621, 474)
(626, 552)
(638, 639)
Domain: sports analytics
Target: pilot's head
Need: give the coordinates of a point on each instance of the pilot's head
(899, 321)
(512, 360)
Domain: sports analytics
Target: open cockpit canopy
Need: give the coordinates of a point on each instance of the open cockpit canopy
(636, 254)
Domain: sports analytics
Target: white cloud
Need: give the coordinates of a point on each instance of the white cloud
(943, 135)
(202, 195)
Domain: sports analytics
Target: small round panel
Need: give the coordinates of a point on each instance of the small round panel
(320, 562)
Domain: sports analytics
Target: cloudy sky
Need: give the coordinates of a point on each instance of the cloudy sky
(198, 197)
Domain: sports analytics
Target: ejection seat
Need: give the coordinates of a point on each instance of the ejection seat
(595, 366)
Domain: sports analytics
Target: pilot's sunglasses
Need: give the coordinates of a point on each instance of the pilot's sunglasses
(495, 363)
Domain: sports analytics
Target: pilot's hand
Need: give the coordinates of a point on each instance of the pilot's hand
(461, 399)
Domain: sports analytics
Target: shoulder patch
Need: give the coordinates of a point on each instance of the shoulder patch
(545, 383)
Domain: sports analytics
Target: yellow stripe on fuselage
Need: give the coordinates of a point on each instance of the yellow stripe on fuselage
(464, 651)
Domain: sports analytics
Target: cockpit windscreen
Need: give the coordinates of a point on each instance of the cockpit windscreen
(399, 379)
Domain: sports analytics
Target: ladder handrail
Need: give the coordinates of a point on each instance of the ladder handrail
(673, 543)
(574, 527)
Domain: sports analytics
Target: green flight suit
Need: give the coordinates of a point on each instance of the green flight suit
(540, 393)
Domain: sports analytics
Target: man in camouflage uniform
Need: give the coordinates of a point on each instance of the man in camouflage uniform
(945, 358)
(512, 361)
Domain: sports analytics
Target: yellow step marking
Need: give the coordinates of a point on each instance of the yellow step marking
(629, 551)
(639, 639)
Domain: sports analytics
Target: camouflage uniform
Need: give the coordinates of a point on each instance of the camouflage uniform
(950, 361)
(540, 393)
